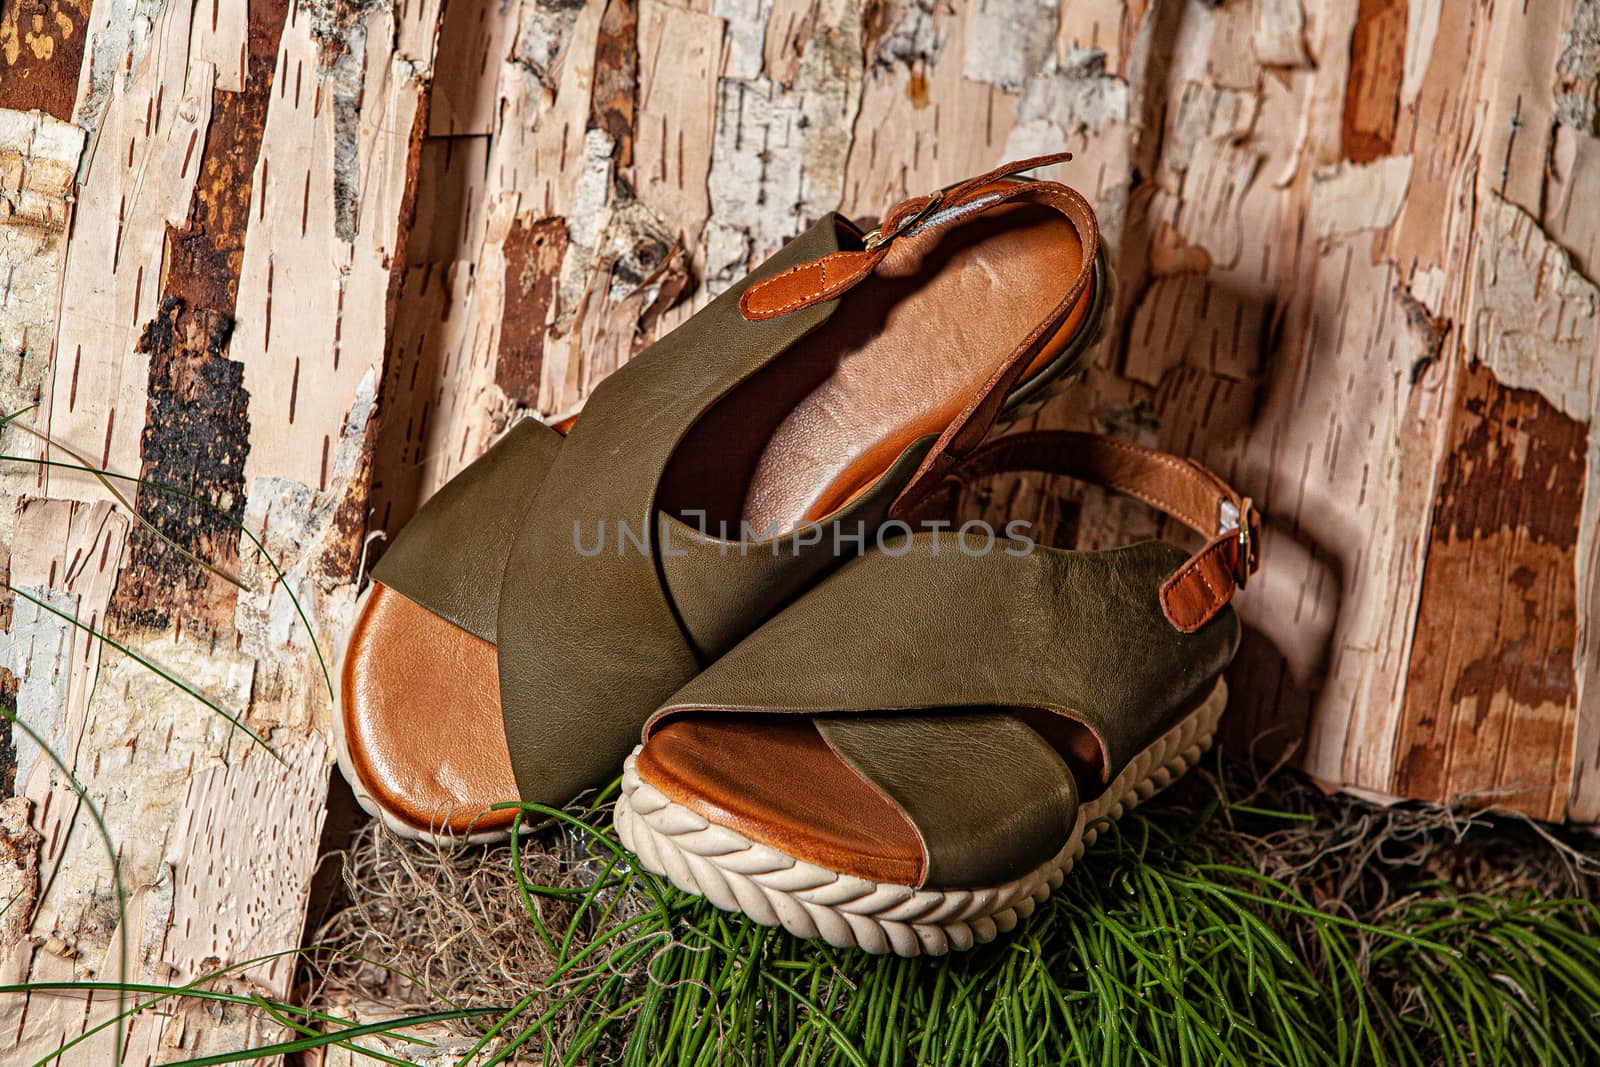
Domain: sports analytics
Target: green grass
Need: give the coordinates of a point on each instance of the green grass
(1210, 927)
(1165, 946)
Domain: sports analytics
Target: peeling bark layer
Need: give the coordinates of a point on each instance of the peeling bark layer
(616, 77)
(533, 251)
(196, 436)
(197, 427)
(1491, 697)
(1377, 64)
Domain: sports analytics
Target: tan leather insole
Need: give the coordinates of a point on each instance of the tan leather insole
(776, 781)
(901, 358)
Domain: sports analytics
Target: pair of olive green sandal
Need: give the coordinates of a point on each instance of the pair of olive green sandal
(741, 576)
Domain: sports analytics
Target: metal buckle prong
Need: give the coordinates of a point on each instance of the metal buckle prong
(1246, 564)
(877, 237)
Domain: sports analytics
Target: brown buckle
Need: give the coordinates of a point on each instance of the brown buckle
(877, 237)
(1246, 560)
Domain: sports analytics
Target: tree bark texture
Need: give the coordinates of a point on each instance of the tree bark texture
(306, 259)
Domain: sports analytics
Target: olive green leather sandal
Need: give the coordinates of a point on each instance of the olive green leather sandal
(544, 602)
(910, 756)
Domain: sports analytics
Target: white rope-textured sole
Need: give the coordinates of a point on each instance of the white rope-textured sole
(776, 889)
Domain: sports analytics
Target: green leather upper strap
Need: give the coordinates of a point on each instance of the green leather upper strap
(1002, 798)
(933, 631)
(753, 579)
(1077, 633)
(450, 556)
(589, 643)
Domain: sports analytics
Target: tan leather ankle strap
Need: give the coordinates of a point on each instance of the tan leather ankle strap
(823, 279)
(1182, 488)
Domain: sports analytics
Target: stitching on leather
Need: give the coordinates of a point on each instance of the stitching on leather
(1183, 622)
(1171, 462)
(1179, 577)
(753, 295)
(819, 265)
(1148, 498)
(1028, 443)
(1201, 573)
(750, 298)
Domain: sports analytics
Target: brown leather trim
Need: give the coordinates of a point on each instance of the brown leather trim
(962, 190)
(421, 718)
(1182, 488)
(967, 431)
(822, 279)
(1198, 590)
(809, 283)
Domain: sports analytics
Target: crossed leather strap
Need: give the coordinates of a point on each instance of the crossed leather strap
(1181, 488)
(606, 638)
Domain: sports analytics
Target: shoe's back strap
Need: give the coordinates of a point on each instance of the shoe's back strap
(829, 276)
(1182, 488)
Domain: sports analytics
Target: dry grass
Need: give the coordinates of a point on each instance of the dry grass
(453, 921)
